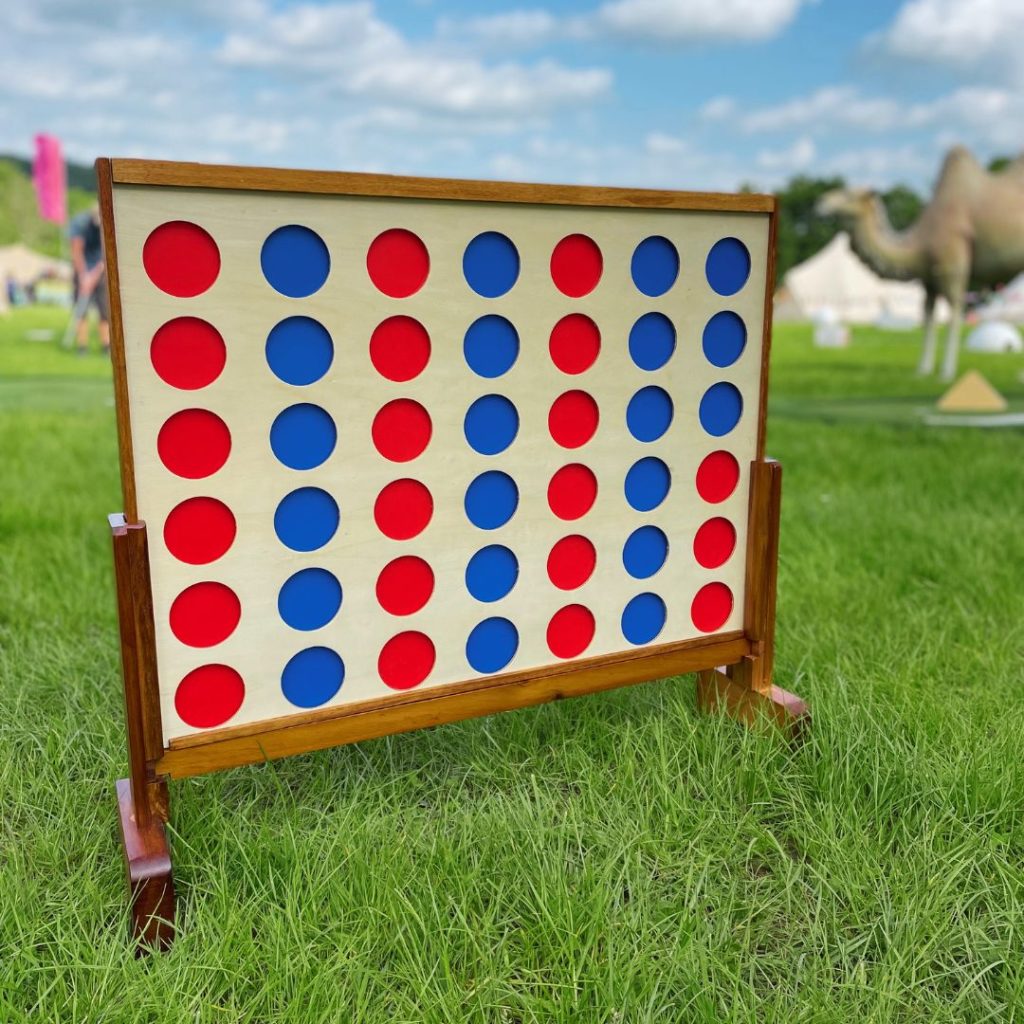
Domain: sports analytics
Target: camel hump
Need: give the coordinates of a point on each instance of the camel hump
(958, 168)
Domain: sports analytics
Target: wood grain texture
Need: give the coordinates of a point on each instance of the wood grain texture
(117, 353)
(271, 179)
(225, 748)
(147, 859)
(138, 659)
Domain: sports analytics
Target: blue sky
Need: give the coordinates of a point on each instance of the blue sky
(669, 93)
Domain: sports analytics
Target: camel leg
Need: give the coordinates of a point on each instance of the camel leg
(926, 366)
(953, 339)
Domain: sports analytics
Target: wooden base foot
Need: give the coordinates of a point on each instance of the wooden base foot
(716, 690)
(150, 883)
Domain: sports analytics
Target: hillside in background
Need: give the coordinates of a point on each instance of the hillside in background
(19, 212)
(81, 176)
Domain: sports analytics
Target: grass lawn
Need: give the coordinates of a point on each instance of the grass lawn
(614, 858)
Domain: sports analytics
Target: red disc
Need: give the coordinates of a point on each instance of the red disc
(399, 348)
(194, 443)
(401, 430)
(181, 258)
(397, 262)
(570, 631)
(406, 660)
(576, 265)
(209, 696)
(573, 419)
(714, 543)
(403, 509)
(711, 607)
(717, 476)
(199, 530)
(572, 491)
(404, 585)
(575, 343)
(571, 562)
(188, 353)
(205, 614)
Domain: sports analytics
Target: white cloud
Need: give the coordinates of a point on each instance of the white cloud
(652, 22)
(797, 157)
(674, 21)
(661, 144)
(989, 115)
(349, 49)
(980, 35)
(521, 29)
(718, 108)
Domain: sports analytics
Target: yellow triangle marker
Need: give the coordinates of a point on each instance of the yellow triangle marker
(972, 393)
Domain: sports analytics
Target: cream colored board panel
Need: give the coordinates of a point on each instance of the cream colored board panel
(247, 396)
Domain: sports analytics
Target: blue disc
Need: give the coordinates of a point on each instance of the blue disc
(306, 519)
(491, 424)
(491, 500)
(647, 483)
(299, 350)
(303, 436)
(491, 346)
(725, 337)
(309, 599)
(652, 340)
(649, 413)
(643, 618)
(492, 573)
(295, 261)
(492, 645)
(312, 677)
(490, 264)
(721, 408)
(728, 266)
(655, 265)
(644, 552)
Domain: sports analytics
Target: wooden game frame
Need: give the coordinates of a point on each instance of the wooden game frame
(735, 669)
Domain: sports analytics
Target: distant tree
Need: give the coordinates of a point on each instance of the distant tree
(999, 163)
(801, 232)
(19, 212)
(903, 205)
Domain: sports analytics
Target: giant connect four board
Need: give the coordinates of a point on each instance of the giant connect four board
(384, 443)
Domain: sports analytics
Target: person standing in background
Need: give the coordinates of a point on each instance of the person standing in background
(90, 277)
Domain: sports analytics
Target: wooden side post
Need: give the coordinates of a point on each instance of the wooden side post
(142, 797)
(745, 690)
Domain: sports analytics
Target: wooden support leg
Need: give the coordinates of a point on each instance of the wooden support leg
(142, 797)
(746, 690)
(147, 859)
(718, 690)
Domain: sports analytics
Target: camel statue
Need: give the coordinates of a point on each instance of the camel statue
(971, 235)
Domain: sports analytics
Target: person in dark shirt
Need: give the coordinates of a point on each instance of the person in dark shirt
(90, 276)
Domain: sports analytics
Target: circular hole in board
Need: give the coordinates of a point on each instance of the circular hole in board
(295, 261)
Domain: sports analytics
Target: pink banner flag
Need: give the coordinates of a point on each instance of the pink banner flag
(49, 175)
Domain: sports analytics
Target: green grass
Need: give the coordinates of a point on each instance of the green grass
(614, 858)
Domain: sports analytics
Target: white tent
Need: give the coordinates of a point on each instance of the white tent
(23, 265)
(835, 279)
(1007, 304)
(995, 336)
